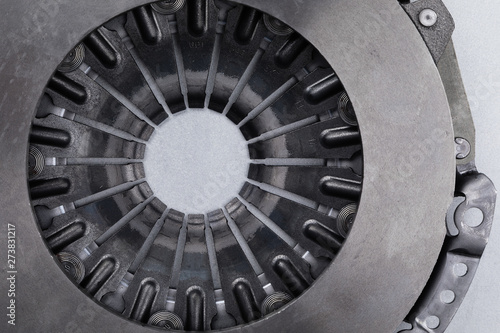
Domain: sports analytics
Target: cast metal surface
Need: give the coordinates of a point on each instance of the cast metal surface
(463, 125)
(398, 235)
(433, 21)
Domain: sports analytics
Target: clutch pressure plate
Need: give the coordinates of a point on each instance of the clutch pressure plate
(247, 166)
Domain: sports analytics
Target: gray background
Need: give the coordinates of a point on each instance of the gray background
(478, 49)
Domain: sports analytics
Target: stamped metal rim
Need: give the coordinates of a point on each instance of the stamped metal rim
(408, 184)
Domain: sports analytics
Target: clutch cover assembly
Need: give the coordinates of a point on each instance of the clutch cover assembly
(246, 166)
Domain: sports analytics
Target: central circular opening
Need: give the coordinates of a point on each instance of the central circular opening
(197, 161)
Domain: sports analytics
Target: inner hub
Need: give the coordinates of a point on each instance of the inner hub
(197, 161)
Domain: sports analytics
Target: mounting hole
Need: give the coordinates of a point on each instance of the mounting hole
(432, 322)
(447, 296)
(460, 269)
(474, 217)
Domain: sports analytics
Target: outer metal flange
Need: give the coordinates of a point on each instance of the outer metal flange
(463, 125)
(398, 233)
(459, 257)
(467, 238)
(433, 21)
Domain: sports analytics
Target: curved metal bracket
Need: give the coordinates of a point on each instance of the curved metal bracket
(459, 258)
(439, 34)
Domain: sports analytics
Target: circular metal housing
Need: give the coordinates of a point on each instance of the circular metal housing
(205, 204)
(398, 234)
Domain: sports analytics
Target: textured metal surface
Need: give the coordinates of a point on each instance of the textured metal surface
(463, 124)
(438, 35)
(387, 258)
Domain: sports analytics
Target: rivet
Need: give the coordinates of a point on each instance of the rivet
(428, 17)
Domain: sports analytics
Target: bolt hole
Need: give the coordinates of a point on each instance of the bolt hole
(460, 269)
(432, 322)
(474, 217)
(447, 296)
